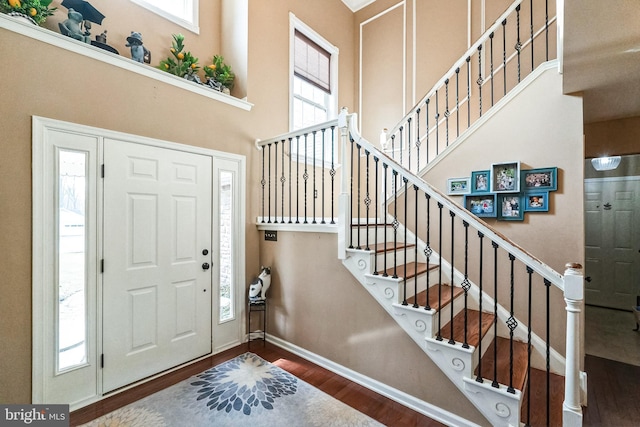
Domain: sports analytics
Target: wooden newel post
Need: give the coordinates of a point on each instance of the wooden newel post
(574, 298)
(344, 206)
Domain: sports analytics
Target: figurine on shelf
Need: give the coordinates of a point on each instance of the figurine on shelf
(102, 38)
(139, 53)
(258, 288)
(71, 27)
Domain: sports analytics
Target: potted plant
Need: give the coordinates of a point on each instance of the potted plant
(35, 11)
(181, 63)
(219, 75)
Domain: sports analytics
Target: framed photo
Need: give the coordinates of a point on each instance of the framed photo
(536, 201)
(458, 185)
(540, 179)
(510, 207)
(481, 205)
(505, 177)
(480, 181)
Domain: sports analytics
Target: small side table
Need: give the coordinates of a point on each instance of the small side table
(257, 306)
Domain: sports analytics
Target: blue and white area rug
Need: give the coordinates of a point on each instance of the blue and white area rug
(245, 391)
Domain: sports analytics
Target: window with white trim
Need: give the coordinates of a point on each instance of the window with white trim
(313, 100)
(182, 12)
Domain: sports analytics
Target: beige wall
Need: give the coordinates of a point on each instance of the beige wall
(612, 137)
(51, 82)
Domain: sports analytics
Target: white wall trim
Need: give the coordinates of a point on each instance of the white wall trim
(394, 394)
(67, 43)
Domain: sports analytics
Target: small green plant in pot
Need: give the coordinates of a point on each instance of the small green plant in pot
(181, 63)
(219, 74)
(35, 10)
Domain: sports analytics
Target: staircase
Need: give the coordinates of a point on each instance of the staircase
(478, 305)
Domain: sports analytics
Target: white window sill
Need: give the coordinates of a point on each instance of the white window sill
(46, 36)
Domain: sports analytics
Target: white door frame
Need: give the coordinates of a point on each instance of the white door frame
(42, 257)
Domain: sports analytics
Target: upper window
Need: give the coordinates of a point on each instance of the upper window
(182, 12)
(314, 65)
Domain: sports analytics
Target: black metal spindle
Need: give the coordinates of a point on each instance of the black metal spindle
(384, 199)
(298, 179)
(367, 199)
(437, 117)
(393, 146)
(395, 226)
(511, 324)
(322, 221)
(401, 144)
(439, 335)
(480, 298)
(415, 249)
(269, 186)
(305, 176)
(546, 27)
(263, 183)
(491, 65)
(404, 278)
(446, 110)
(282, 181)
(426, 114)
(466, 285)
(427, 249)
(480, 81)
(530, 305)
(351, 198)
(518, 45)
(375, 235)
(358, 147)
(315, 187)
(275, 184)
(290, 163)
(468, 60)
(418, 140)
(533, 66)
(495, 313)
(453, 223)
(332, 172)
(409, 142)
(457, 102)
(504, 56)
(547, 284)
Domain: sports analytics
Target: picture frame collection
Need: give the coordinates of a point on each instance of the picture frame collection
(505, 191)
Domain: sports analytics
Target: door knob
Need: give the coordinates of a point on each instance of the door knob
(205, 252)
(205, 266)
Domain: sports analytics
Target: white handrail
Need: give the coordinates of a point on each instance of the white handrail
(299, 132)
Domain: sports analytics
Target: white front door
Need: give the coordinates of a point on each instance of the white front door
(612, 240)
(157, 252)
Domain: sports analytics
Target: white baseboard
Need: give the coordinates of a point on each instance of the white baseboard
(396, 395)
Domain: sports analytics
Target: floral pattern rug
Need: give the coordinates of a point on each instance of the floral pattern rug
(244, 391)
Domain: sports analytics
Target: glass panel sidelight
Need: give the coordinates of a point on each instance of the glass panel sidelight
(226, 296)
(71, 260)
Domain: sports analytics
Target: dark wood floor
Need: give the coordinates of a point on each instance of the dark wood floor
(613, 393)
(378, 407)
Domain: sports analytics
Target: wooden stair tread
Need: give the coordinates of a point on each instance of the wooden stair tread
(503, 375)
(473, 320)
(380, 247)
(538, 385)
(433, 296)
(412, 269)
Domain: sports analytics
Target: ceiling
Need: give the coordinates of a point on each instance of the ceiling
(601, 55)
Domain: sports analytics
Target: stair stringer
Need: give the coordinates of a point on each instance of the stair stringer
(495, 404)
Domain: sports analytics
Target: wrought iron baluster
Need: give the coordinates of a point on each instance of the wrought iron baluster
(511, 324)
(275, 185)
(322, 221)
(546, 27)
(305, 176)
(375, 236)
(531, 31)
(263, 183)
(415, 250)
(437, 125)
(446, 110)
(393, 146)
(409, 142)
(453, 217)
(427, 249)
(297, 179)
(547, 284)
(426, 114)
(386, 180)
(290, 163)
(528, 416)
(315, 188)
(480, 298)
(395, 226)
(401, 144)
(418, 140)
(466, 285)
(495, 313)
(404, 279)
(504, 56)
(269, 186)
(351, 198)
(480, 81)
(282, 181)
(439, 335)
(491, 64)
(332, 172)
(367, 199)
(468, 60)
(518, 45)
(358, 147)
(457, 102)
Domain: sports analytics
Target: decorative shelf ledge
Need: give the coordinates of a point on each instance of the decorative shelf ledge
(46, 36)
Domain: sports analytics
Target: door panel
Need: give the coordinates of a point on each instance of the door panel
(612, 239)
(157, 296)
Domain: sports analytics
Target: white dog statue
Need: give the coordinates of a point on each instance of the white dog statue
(258, 288)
